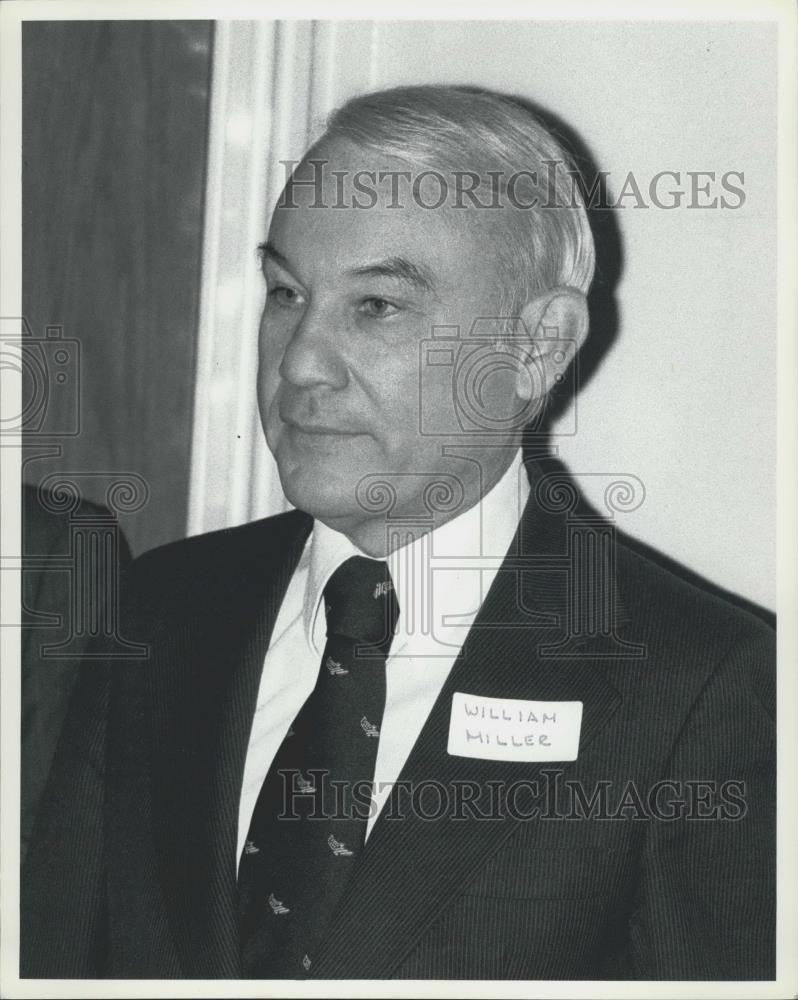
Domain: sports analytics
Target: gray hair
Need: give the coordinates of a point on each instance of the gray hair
(457, 128)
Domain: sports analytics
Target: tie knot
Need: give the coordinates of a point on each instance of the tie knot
(360, 602)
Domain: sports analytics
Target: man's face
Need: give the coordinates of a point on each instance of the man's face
(352, 294)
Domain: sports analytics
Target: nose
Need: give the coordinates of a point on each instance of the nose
(312, 355)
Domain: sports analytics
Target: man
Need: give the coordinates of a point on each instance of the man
(438, 721)
(52, 648)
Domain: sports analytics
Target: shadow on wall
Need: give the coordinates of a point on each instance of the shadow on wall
(604, 331)
(539, 449)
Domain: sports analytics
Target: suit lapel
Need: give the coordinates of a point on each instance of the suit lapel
(412, 866)
(207, 694)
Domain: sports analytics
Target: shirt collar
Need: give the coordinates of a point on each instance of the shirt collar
(428, 600)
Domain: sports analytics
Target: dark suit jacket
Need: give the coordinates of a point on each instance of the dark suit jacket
(48, 673)
(133, 869)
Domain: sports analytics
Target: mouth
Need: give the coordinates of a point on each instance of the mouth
(319, 430)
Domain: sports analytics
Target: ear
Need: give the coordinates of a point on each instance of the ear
(557, 324)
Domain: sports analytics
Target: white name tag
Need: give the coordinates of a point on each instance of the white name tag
(513, 728)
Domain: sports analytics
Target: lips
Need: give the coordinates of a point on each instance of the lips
(323, 430)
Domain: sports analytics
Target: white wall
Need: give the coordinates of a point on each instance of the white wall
(685, 399)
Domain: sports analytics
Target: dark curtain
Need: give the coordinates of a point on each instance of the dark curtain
(115, 124)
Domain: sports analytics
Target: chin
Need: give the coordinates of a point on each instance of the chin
(324, 476)
(320, 492)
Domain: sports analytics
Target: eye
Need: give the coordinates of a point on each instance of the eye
(378, 308)
(285, 296)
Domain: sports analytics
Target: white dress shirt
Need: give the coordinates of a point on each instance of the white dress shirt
(440, 579)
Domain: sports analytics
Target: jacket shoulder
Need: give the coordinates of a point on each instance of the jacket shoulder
(692, 628)
(654, 591)
(221, 554)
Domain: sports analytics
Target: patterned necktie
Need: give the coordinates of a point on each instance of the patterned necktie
(309, 823)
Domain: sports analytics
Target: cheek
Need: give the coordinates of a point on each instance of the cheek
(396, 388)
(266, 388)
(268, 378)
(268, 346)
(271, 347)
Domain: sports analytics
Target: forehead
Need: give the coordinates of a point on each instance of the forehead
(353, 206)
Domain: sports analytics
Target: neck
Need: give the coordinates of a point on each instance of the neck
(410, 518)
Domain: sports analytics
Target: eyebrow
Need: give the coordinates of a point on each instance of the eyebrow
(268, 251)
(398, 268)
